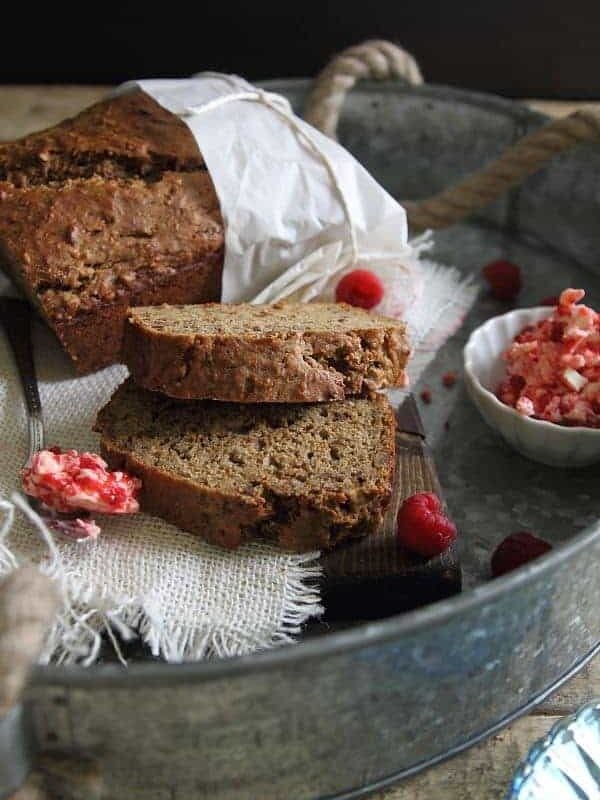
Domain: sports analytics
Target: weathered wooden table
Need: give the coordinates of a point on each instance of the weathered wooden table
(484, 771)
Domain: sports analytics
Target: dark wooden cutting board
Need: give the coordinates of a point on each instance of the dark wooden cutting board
(376, 577)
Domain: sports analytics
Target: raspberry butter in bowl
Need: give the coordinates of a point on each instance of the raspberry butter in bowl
(534, 375)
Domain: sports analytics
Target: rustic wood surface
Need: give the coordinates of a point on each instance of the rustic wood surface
(484, 771)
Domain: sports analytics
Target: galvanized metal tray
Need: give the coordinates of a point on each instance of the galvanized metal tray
(344, 713)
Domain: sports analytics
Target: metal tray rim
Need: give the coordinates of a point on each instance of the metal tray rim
(100, 676)
(477, 738)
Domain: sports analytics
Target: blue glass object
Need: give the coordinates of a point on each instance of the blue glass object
(565, 765)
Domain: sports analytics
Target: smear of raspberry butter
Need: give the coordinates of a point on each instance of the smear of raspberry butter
(67, 481)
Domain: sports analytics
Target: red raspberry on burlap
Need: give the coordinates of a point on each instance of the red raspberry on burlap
(361, 288)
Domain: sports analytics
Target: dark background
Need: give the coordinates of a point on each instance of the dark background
(526, 48)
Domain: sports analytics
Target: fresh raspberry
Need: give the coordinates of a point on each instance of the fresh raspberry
(504, 279)
(423, 527)
(426, 396)
(449, 379)
(516, 550)
(361, 288)
(552, 300)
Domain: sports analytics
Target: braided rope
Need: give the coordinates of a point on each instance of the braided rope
(383, 60)
(376, 59)
(28, 603)
(524, 158)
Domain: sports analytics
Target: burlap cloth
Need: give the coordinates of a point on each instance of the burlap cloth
(187, 599)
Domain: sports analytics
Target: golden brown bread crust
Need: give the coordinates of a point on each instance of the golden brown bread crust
(109, 209)
(124, 136)
(235, 473)
(93, 338)
(282, 353)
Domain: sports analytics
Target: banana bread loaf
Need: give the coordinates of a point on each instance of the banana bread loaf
(110, 209)
(281, 353)
(306, 475)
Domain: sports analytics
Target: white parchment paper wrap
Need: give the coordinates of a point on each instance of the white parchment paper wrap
(297, 207)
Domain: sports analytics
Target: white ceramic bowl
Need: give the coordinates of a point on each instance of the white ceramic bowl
(546, 442)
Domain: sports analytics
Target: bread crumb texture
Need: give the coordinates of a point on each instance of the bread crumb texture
(308, 475)
(109, 209)
(283, 352)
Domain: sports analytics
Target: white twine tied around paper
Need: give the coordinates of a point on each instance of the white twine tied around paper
(298, 209)
(281, 106)
(310, 271)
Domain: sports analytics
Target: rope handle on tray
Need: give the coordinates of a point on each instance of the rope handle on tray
(29, 602)
(383, 60)
(374, 59)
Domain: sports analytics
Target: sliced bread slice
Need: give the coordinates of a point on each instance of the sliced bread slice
(280, 353)
(308, 476)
